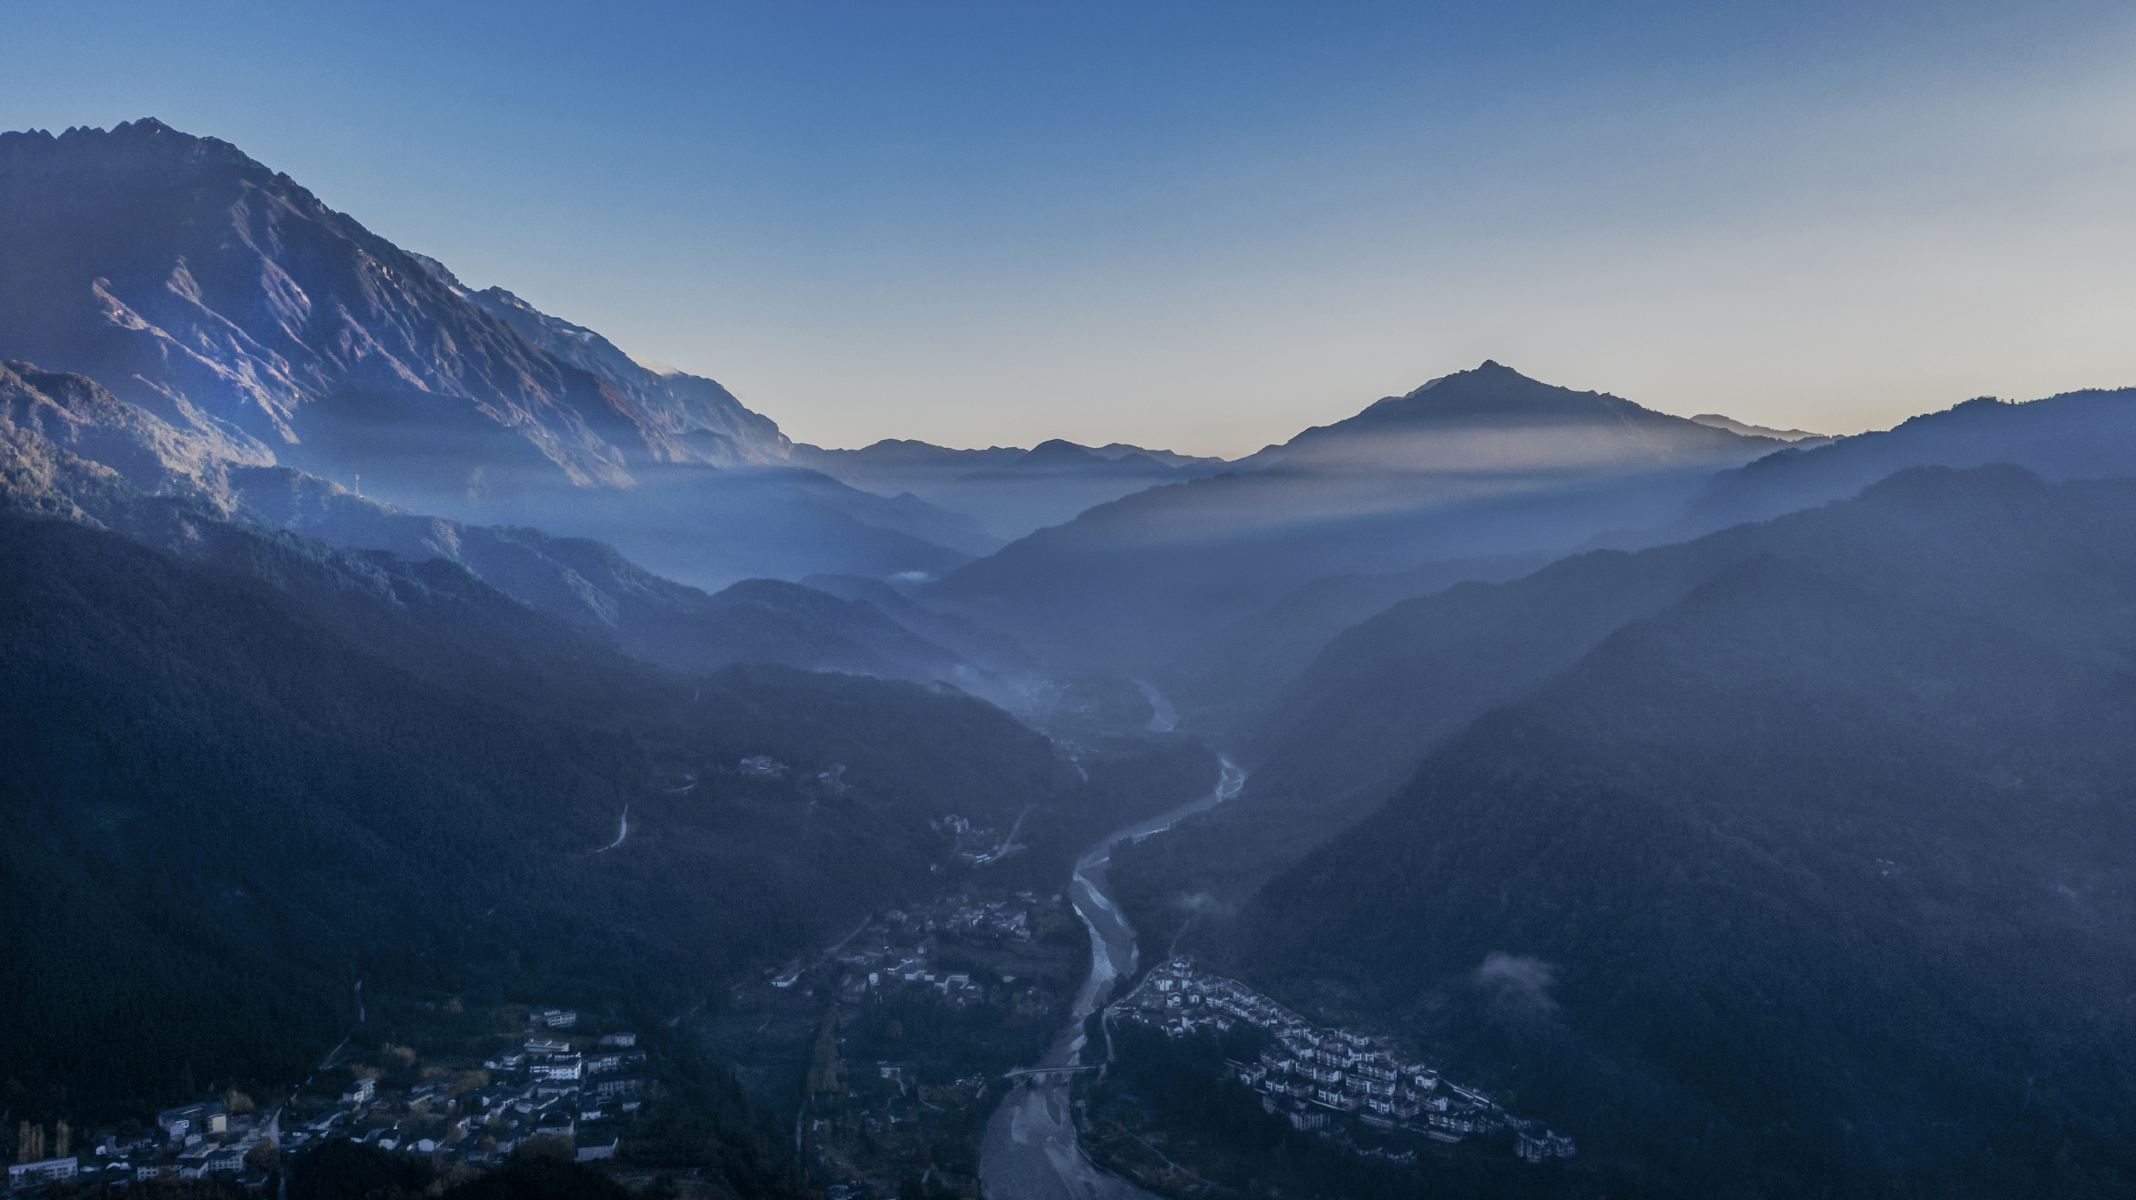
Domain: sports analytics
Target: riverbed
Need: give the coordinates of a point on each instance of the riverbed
(1030, 1150)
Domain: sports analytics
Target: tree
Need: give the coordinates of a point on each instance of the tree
(262, 1156)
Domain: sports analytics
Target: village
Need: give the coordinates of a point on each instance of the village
(554, 1085)
(1338, 1084)
(893, 1041)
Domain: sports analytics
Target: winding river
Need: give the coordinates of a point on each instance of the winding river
(1030, 1151)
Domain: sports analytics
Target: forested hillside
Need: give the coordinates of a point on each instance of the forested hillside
(1814, 880)
(242, 781)
(1383, 694)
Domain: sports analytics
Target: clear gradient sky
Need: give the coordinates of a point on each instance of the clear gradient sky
(1205, 226)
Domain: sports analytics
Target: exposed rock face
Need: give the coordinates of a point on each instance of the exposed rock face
(193, 280)
(230, 302)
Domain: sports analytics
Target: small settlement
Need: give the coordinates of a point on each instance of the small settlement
(1336, 1083)
(895, 1036)
(556, 1081)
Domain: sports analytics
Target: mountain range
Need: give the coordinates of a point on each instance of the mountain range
(1718, 421)
(71, 448)
(256, 767)
(1485, 462)
(1009, 491)
(228, 300)
(1751, 803)
(1353, 681)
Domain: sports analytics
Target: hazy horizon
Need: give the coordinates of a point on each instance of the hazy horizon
(1206, 229)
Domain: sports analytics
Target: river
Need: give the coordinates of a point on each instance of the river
(1030, 1150)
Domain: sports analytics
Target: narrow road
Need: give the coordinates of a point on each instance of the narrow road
(622, 831)
(1008, 839)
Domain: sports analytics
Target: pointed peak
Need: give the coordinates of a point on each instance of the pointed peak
(1490, 381)
(146, 143)
(1058, 450)
(1489, 368)
(1489, 373)
(141, 128)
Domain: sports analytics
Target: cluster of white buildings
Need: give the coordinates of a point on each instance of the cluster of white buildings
(569, 1088)
(192, 1141)
(1322, 1080)
(573, 1088)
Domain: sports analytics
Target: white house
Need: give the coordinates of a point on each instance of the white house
(44, 1170)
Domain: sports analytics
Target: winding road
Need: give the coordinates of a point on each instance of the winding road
(622, 831)
(1030, 1150)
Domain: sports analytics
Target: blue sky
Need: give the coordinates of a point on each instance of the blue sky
(1206, 226)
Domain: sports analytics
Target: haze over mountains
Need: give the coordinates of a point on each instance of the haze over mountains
(70, 447)
(1345, 714)
(1718, 421)
(1755, 805)
(1011, 492)
(226, 298)
(264, 769)
(1485, 462)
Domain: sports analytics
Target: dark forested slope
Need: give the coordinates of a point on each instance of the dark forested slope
(241, 780)
(1817, 880)
(1484, 462)
(2077, 435)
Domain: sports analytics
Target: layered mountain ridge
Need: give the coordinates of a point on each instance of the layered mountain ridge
(1485, 462)
(1809, 839)
(1010, 490)
(68, 447)
(351, 605)
(229, 300)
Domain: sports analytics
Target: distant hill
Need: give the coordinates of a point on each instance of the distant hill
(1170, 458)
(1231, 674)
(1339, 717)
(2078, 435)
(1800, 865)
(1717, 421)
(1009, 491)
(971, 641)
(1481, 463)
(228, 300)
(1493, 419)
